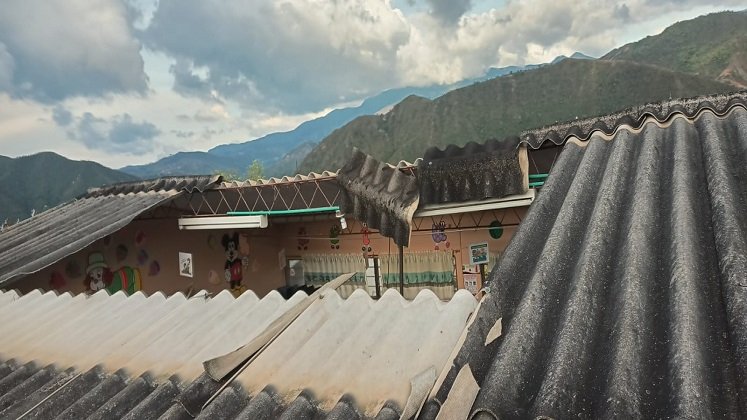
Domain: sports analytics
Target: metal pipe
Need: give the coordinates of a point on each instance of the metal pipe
(401, 270)
(376, 277)
(284, 212)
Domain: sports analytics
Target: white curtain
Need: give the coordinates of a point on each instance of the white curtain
(322, 268)
(422, 270)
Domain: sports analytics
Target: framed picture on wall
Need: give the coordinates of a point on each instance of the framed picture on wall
(478, 253)
(186, 269)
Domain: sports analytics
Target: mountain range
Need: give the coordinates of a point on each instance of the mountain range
(704, 55)
(691, 58)
(37, 182)
(280, 153)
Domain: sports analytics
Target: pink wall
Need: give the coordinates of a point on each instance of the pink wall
(152, 247)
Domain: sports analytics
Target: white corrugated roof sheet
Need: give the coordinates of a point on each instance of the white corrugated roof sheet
(156, 334)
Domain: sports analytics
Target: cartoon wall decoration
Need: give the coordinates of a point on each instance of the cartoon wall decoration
(233, 272)
(99, 276)
(334, 234)
(366, 240)
(438, 233)
(140, 238)
(496, 229)
(56, 281)
(142, 257)
(154, 268)
(303, 241)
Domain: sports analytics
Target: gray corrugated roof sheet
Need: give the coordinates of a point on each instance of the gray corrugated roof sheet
(354, 358)
(172, 183)
(623, 293)
(632, 117)
(380, 195)
(39, 241)
(493, 169)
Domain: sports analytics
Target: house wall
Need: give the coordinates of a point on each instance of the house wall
(152, 247)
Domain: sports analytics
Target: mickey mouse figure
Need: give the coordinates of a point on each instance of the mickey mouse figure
(232, 273)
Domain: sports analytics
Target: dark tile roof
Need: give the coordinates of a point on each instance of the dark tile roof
(623, 293)
(44, 239)
(174, 183)
(380, 195)
(493, 169)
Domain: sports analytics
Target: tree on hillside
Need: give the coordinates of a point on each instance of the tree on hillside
(254, 172)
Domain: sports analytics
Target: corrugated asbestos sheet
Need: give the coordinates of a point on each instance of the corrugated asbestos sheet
(493, 169)
(101, 357)
(173, 183)
(380, 195)
(135, 332)
(39, 241)
(624, 292)
(632, 117)
(356, 358)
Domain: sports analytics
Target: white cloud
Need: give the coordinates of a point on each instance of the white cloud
(226, 71)
(65, 48)
(7, 67)
(120, 134)
(293, 56)
(305, 55)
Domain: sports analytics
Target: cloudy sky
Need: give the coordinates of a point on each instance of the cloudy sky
(130, 81)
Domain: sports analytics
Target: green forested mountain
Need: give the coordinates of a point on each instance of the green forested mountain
(704, 55)
(713, 46)
(44, 180)
(506, 106)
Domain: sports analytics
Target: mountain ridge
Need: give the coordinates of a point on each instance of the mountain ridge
(271, 149)
(505, 106)
(43, 180)
(713, 46)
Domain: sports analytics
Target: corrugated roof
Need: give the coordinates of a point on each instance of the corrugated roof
(44, 239)
(172, 183)
(632, 117)
(493, 169)
(380, 195)
(324, 175)
(622, 294)
(272, 181)
(155, 334)
(116, 356)
(139, 357)
(368, 351)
